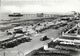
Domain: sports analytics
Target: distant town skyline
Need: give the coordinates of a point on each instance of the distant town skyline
(36, 6)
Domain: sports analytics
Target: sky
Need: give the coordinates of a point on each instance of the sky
(35, 6)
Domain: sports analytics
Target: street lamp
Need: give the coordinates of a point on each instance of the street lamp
(4, 50)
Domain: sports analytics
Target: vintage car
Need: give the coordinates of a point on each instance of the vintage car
(44, 38)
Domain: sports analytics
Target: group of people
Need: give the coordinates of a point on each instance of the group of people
(9, 43)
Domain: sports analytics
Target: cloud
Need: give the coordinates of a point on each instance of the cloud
(41, 5)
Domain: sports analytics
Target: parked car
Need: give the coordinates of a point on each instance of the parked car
(44, 38)
(56, 26)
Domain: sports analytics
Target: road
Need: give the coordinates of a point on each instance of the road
(26, 47)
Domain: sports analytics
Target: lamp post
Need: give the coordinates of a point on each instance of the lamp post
(4, 50)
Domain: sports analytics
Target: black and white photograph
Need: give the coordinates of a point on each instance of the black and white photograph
(39, 28)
